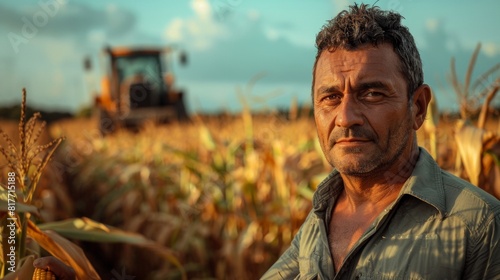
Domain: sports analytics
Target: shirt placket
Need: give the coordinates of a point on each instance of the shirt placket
(376, 226)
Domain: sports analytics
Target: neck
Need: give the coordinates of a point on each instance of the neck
(380, 187)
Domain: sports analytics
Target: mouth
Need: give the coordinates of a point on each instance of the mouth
(352, 141)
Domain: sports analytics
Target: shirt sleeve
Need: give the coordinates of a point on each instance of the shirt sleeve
(287, 266)
(484, 260)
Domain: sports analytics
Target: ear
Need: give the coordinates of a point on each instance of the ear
(421, 98)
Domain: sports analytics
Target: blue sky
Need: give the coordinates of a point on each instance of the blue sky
(229, 43)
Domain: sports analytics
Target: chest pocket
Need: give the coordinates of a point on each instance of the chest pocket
(424, 256)
(417, 244)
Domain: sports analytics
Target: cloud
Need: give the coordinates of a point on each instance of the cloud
(272, 33)
(54, 41)
(441, 45)
(277, 30)
(87, 27)
(250, 51)
(253, 15)
(119, 21)
(199, 31)
(66, 21)
(432, 24)
(491, 49)
(237, 47)
(340, 5)
(174, 31)
(202, 9)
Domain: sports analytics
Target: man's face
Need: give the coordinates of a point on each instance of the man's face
(363, 119)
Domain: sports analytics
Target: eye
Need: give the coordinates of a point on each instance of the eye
(373, 96)
(332, 97)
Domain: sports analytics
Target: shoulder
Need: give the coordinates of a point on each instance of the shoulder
(468, 203)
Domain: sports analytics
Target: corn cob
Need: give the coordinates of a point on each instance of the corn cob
(42, 274)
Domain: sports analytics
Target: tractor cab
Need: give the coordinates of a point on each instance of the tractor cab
(137, 87)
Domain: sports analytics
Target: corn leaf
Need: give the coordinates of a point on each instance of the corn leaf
(470, 146)
(88, 230)
(20, 207)
(432, 116)
(206, 138)
(478, 149)
(491, 166)
(64, 250)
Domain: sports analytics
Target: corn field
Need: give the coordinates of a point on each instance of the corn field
(225, 194)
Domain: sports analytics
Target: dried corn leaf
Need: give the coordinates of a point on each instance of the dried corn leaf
(89, 230)
(470, 146)
(248, 237)
(430, 125)
(432, 116)
(206, 138)
(65, 250)
(491, 167)
(471, 142)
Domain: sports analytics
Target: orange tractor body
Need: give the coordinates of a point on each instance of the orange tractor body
(137, 86)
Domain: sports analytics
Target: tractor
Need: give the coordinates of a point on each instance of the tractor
(137, 86)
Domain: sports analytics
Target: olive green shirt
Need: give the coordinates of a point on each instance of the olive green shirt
(439, 227)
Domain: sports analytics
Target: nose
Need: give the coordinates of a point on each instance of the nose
(349, 113)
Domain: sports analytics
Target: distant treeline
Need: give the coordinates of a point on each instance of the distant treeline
(301, 111)
(14, 113)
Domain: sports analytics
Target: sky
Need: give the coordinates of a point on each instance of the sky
(255, 52)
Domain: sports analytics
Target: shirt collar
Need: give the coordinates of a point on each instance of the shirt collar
(425, 183)
(326, 192)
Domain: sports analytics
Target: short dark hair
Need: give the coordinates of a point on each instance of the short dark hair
(363, 25)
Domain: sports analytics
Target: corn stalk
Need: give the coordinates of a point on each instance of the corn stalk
(468, 97)
(21, 159)
(477, 147)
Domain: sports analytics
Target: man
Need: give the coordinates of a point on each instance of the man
(387, 211)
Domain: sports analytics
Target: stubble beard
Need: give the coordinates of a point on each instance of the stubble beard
(381, 159)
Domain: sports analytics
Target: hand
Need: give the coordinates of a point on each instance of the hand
(61, 270)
